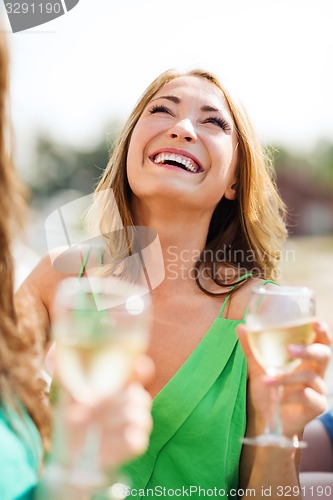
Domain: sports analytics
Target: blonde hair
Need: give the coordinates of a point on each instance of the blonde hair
(18, 377)
(250, 230)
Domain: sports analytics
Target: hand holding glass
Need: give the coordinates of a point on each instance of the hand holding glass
(277, 317)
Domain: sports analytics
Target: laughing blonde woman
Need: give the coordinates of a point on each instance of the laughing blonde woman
(188, 166)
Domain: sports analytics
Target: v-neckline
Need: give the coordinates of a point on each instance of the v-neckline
(183, 392)
(192, 354)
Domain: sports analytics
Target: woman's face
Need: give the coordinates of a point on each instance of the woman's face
(183, 146)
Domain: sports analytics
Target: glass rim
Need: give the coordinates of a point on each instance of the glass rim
(285, 290)
(99, 286)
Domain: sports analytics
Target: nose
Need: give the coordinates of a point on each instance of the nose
(183, 130)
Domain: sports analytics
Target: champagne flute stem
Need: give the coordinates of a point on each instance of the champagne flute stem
(274, 424)
(89, 460)
(87, 476)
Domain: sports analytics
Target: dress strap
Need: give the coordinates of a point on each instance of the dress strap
(100, 256)
(265, 282)
(247, 275)
(84, 263)
(86, 258)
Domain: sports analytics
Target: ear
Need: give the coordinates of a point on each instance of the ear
(231, 191)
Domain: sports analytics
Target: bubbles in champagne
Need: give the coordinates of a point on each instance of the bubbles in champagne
(270, 345)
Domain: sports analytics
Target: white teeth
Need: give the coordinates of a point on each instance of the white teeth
(187, 163)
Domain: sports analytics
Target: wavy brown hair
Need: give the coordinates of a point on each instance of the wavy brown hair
(245, 234)
(18, 372)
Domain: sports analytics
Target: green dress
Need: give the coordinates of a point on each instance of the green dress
(20, 455)
(199, 418)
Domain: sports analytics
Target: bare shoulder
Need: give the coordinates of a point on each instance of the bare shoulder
(35, 296)
(59, 264)
(241, 296)
(31, 302)
(41, 282)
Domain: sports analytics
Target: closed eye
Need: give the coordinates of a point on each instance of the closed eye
(220, 122)
(159, 108)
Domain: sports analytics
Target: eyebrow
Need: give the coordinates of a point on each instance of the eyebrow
(210, 109)
(172, 98)
(177, 100)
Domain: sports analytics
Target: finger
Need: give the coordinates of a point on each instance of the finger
(124, 445)
(253, 365)
(305, 378)
(318, 354)
(137, 407)
(114, 409)
(137, 438)
(144, 369)
(323, 332)
(314, 404)
(138, 396)
(140, 419)
(125, 407)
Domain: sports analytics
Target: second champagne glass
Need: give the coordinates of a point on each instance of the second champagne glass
(277, 317)
(102, 325)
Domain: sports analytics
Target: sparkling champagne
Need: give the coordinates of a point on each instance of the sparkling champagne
(270, 344)
(93, 369)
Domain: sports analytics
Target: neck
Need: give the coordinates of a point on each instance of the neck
(181, 239)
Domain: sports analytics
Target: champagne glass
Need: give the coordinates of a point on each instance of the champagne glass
(101, 327)
(277, 317)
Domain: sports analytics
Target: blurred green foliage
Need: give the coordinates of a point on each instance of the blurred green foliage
(59, 167)
(316, 165)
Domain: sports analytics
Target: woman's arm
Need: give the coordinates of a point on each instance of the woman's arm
(34, 298)
(268, 471)
(33, 302)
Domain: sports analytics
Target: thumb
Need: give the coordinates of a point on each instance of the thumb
(144, 369)
(253, 365)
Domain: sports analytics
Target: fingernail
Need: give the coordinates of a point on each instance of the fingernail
(296, 349)
(268, 380)
(321, 324)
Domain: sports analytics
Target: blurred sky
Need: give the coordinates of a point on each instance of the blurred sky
(73, 75)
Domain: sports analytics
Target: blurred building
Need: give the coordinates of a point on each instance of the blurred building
(310, 204)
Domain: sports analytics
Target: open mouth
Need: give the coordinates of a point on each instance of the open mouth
(178, 161)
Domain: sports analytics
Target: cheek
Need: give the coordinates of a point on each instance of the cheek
(137, 146)
(224, 155)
